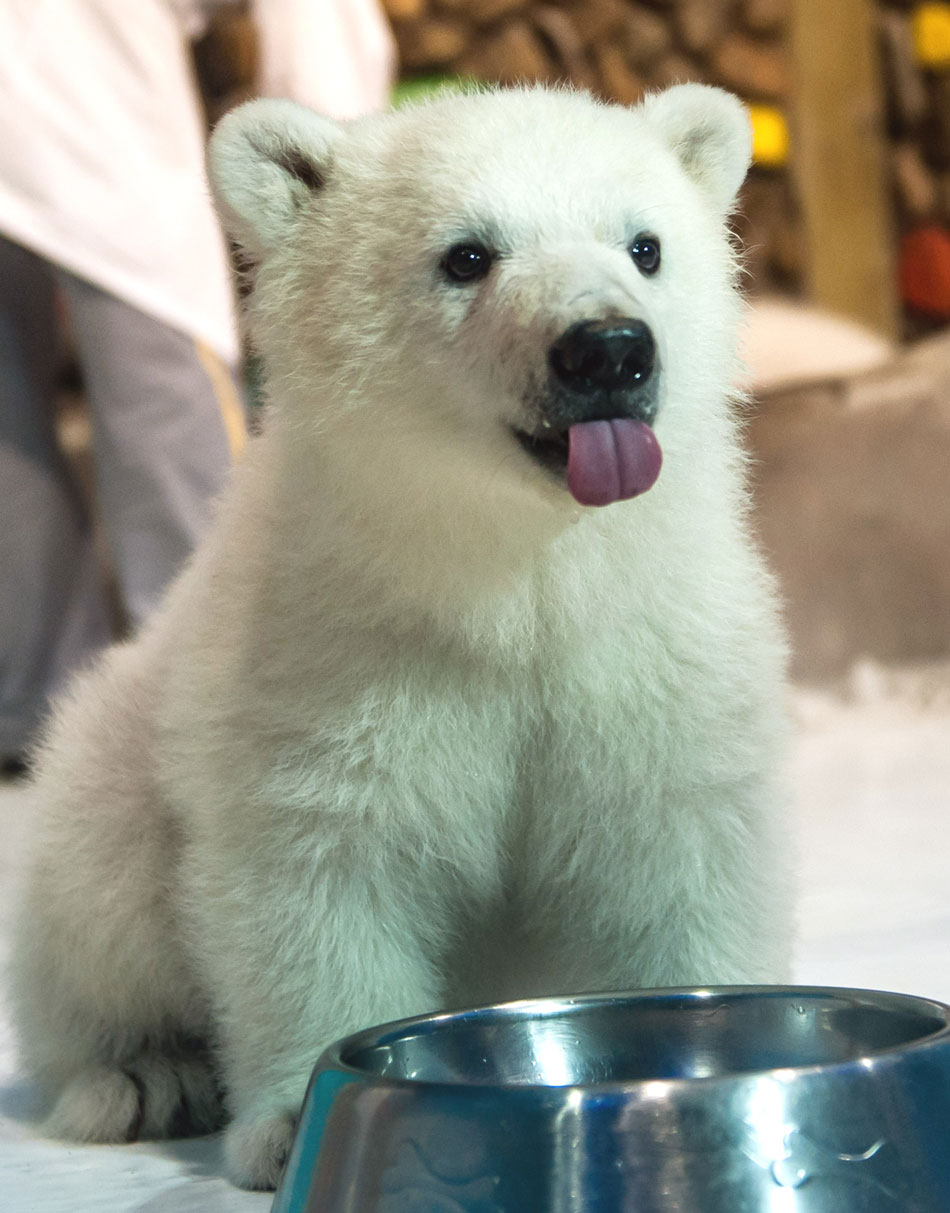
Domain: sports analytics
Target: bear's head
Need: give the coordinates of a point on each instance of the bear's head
(517, 292)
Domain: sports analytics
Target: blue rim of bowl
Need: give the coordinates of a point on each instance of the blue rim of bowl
(334, 1057)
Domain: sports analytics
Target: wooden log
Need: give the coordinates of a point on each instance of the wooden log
(430, 42)
(916, 187)
(404, 10)
(943, 198)
(765, 16)
(906, 94)
(785, 248)
(593, 19)
(511, 56)
(935, 130)
(564, 44)
(751, 67)
(482, 12)
(226, 57)
(673, 69)
(645, 36)
(769, 233)
(701, 24)
(619, 82)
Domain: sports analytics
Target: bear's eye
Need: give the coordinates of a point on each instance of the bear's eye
(466, 262)
(645, 252)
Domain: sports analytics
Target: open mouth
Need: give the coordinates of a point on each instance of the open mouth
(601, 460)
(550, 449)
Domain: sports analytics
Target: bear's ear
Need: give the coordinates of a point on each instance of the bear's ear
(710, 132)
(265, 160)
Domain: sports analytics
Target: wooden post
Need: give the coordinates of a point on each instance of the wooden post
(839, 160)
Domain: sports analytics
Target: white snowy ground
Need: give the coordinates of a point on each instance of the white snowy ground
(872, 779)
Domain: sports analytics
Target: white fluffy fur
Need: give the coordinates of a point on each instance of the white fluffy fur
(414, 729)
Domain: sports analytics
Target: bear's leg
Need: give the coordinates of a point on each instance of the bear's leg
(150, 1095)
(696, 892)
(305, 945)
(110, 1017)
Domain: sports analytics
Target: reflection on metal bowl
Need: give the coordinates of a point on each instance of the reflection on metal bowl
(735, 1100)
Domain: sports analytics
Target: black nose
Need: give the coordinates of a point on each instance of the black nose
(604, 355)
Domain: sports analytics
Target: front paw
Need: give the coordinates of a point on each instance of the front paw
(256, 1148)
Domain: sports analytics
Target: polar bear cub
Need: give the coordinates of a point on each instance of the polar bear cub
(475, 689)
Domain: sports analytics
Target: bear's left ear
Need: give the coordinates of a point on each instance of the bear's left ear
(710, 132)
(266, 160)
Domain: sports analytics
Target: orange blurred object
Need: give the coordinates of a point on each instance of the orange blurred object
(925, 270)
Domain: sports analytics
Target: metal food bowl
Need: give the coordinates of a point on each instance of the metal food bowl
(734, 1100)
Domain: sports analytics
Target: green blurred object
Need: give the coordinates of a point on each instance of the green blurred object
(419, 88)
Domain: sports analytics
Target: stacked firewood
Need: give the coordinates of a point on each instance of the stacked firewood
(616, 47)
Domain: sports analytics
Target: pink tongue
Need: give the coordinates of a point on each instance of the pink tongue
(611, 460)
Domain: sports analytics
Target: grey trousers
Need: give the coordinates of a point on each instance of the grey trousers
(166, 421)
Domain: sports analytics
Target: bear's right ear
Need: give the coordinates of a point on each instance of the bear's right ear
(265, 160)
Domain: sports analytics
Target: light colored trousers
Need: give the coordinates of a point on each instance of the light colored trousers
(166, 422)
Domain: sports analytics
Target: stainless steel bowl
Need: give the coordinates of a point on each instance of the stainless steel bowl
(733, 1100)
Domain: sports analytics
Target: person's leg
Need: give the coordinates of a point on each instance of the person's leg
(53, 610)
(167, 421)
